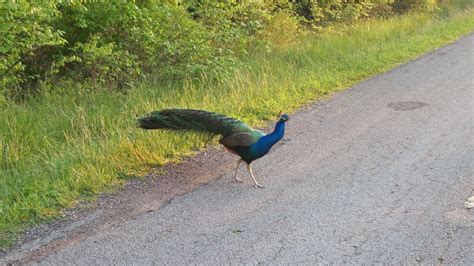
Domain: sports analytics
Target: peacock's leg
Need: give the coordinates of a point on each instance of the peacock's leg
(257, 185)
(239, 162)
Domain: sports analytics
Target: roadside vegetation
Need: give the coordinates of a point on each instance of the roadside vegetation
(74, 76)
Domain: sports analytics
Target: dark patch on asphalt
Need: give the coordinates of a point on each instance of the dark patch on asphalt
(406, 106)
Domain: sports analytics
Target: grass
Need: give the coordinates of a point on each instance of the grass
(71, 143)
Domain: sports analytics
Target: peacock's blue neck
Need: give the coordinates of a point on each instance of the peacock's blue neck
(263, 145)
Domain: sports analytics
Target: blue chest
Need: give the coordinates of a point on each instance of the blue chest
(263, 145)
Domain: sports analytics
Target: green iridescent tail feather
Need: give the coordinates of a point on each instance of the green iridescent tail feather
(192, 120)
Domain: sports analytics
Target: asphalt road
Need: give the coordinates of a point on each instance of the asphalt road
(375, 174)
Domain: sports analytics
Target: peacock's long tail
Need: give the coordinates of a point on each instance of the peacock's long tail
(192, 120)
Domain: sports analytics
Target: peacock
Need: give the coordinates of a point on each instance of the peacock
(236, 137)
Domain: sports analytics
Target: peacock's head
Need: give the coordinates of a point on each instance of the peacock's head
(284, 118)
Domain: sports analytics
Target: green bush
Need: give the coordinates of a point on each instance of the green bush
(104, 43)
(281, 30)
(103, 63)
(402, 6)
(321, 14)
(27, 36)
(113, 44)
(163, 40)
(235, 26)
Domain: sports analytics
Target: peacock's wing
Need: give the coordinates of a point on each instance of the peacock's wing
(241, 139)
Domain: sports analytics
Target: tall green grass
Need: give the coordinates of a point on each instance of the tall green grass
(72, 143)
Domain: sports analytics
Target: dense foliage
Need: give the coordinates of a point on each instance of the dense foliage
(112, 44)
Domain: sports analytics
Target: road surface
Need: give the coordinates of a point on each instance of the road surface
(375, 174)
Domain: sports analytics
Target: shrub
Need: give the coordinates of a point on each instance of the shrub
(115, 43)
(104, 64)
(381, 10)
(27, 38)
(235, 26)
(402, 6)
(321, 14)
(162, 39)
(108, 44)
(281, 29)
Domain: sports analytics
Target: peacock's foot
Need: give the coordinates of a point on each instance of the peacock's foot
(238, 180)
(257, 185)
